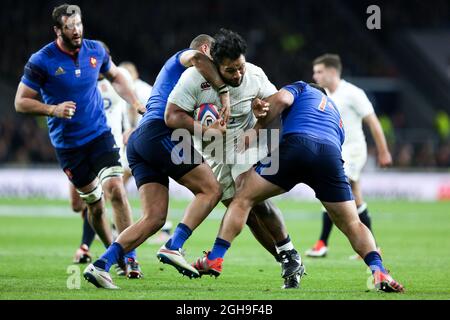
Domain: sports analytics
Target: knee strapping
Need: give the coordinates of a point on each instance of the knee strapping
(111, 172)
(92, 197)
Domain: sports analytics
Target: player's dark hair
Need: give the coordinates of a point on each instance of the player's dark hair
(228, 44)
(201, 40)
(316, 86)
(330, 61)
(65, 10)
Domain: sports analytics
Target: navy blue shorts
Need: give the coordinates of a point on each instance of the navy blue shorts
(83, 164)
(319, 165)
(150, 150)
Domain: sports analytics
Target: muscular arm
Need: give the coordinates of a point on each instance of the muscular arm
(120, 84)
(26, 102)
(209, 71)
(177, 118)
(204, 65)
(277, 104)
(384, 156)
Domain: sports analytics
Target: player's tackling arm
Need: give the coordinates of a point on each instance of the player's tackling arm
(26, 102)
(278, 102)
(122, 87)
(178, 118)
(209, 71)
(384, 156)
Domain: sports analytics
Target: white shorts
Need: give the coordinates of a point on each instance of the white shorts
(355, 157)
(227, 173)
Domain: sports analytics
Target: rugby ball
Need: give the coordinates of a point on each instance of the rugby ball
(206, 114)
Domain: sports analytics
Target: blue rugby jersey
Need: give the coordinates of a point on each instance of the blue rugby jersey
(314, 114)
(165, 82)
(59, 77)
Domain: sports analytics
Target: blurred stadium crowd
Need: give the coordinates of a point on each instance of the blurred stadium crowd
(282, 38)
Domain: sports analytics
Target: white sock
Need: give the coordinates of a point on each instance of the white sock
(286, 247)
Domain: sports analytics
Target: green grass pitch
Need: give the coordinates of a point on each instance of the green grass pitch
(39, 237)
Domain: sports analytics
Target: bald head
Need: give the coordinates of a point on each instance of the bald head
(201, 40)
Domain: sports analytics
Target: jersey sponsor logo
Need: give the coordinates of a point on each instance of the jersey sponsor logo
(205, 86)
(93, 62)
(60, 71)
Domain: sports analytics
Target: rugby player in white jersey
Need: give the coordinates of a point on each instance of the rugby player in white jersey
(355, 109)
(246, 82)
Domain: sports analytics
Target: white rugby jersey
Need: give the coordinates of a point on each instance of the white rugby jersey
(143, 91)
(116, 109)
(192, 90)
(353, 106)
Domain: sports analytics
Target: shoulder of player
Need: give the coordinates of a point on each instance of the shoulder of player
(350, 88)
(92, 44)
(94, 47)
(192, 74)
(141, 84)
(44, 57)
(254, 71)
(46, 52)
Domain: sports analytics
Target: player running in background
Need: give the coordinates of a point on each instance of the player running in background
(355, 109)
(142, 89)
(150, 156)
(246, 82)
(116, 111)
(65, 74)
(310, 153)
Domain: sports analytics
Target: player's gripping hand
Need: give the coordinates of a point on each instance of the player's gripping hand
(219, 127)
(65, 110)
(260, 108)
(384, 159)
(139, 107)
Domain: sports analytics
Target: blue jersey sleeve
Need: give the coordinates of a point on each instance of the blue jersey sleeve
(295, 88)
(35, 74)
(106, 60)
(178, 57)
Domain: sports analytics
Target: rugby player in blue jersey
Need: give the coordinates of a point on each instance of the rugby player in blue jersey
(149, 153)
(310, 153)
(65, 74)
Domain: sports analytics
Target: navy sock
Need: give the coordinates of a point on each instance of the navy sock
(365, 217)
(88, 232)
(110, 257)
(327, 225)
(220, 248)
(374, 261)
(180, 235)
(130, 255)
